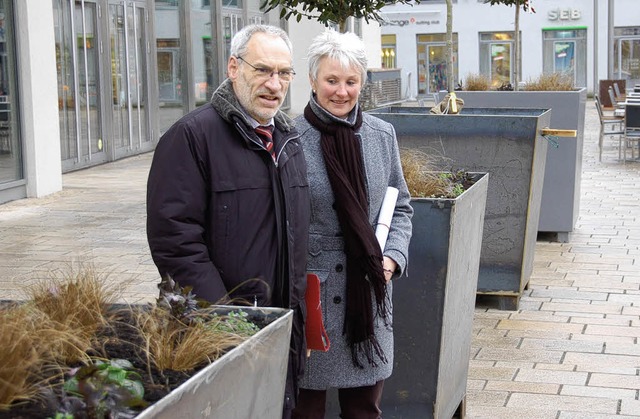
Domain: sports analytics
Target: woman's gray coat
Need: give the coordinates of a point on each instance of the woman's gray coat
(327, 259)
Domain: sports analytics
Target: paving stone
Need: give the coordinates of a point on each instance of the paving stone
(617, 364)
(550, 376)
(561, 345)
(630, 407)
(539, 326)
(589, 391)
(522, 387)
(571, 403)
(490, 412)
(628, 381)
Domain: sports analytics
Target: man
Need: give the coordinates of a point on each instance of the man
(228, 206)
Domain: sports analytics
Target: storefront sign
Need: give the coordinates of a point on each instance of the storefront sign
(411, 21)
(564, 14)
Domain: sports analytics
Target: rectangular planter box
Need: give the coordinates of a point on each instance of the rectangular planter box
(433, 309)
(563, 169)
(247, 382)
(508, 145)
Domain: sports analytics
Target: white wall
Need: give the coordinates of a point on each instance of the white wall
(39, 97)
(471, 17)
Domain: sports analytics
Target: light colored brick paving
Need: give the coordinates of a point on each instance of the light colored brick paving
(630, 407)
(548, 376)
(608, 393)
(618, 364)
(523, 387)
(483, 412)
(581, 415)
(570, 403)
(630, 381)
(561, 345)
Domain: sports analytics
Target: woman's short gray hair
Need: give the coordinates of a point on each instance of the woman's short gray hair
(241, 39)
(347, 48)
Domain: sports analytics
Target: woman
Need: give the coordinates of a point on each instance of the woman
(352, 158)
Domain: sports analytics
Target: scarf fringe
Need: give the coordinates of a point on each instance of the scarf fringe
(367, 348)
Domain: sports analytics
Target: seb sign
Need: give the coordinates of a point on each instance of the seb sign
(564, 14)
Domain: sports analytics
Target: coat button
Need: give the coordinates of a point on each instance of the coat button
(337, 299)
(339, 267)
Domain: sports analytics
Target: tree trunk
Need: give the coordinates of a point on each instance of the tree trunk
(450, 80)
(516, 64)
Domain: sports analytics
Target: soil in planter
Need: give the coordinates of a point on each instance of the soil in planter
(120, 341)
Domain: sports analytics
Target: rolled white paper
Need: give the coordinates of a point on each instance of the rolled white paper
(386, 213)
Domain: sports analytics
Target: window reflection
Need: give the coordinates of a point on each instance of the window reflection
(10, 147)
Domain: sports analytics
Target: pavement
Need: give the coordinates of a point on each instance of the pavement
(571, 350)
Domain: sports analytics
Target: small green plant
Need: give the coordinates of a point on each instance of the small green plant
(237, 322)
(102, 390)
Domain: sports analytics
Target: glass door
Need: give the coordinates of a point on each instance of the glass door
(11, 170)
(627, 62)
(564, 61)
(129, 88)
(432, 62)
(77, 60)
(500, 64)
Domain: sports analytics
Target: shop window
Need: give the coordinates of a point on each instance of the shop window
(497, 54)
(626, 53)
(432, 62)
(565, 51)
(388, 52)
(10, 146)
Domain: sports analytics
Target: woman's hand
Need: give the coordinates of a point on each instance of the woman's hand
(388, 267)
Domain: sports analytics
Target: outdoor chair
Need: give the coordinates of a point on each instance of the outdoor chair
(614, 102)
(610, 125)
(620, 97)
(631, 129)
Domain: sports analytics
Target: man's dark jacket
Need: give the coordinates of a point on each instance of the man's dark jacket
(224, 219)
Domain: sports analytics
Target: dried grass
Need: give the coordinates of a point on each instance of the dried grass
(425, 175)
(477, 82)
(26, 353)
(75, 301)
(173, 345)
(551, 82)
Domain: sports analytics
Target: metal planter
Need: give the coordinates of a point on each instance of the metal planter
(247, 382)
(563, 169)
(433, 308)
(507, 144)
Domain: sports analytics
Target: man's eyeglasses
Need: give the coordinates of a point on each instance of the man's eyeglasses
(267, 73)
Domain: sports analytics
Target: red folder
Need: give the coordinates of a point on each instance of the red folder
(317, 337)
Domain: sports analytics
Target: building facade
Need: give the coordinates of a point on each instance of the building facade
(588, 39)
(84, 82)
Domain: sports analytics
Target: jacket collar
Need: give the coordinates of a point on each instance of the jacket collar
(226, 104)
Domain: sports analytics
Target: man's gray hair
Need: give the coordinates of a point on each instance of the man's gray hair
(241, 39)
(347, 48)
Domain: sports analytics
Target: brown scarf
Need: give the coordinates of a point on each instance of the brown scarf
(343, 161)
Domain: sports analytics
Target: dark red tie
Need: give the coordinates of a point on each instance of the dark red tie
(266, 135)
